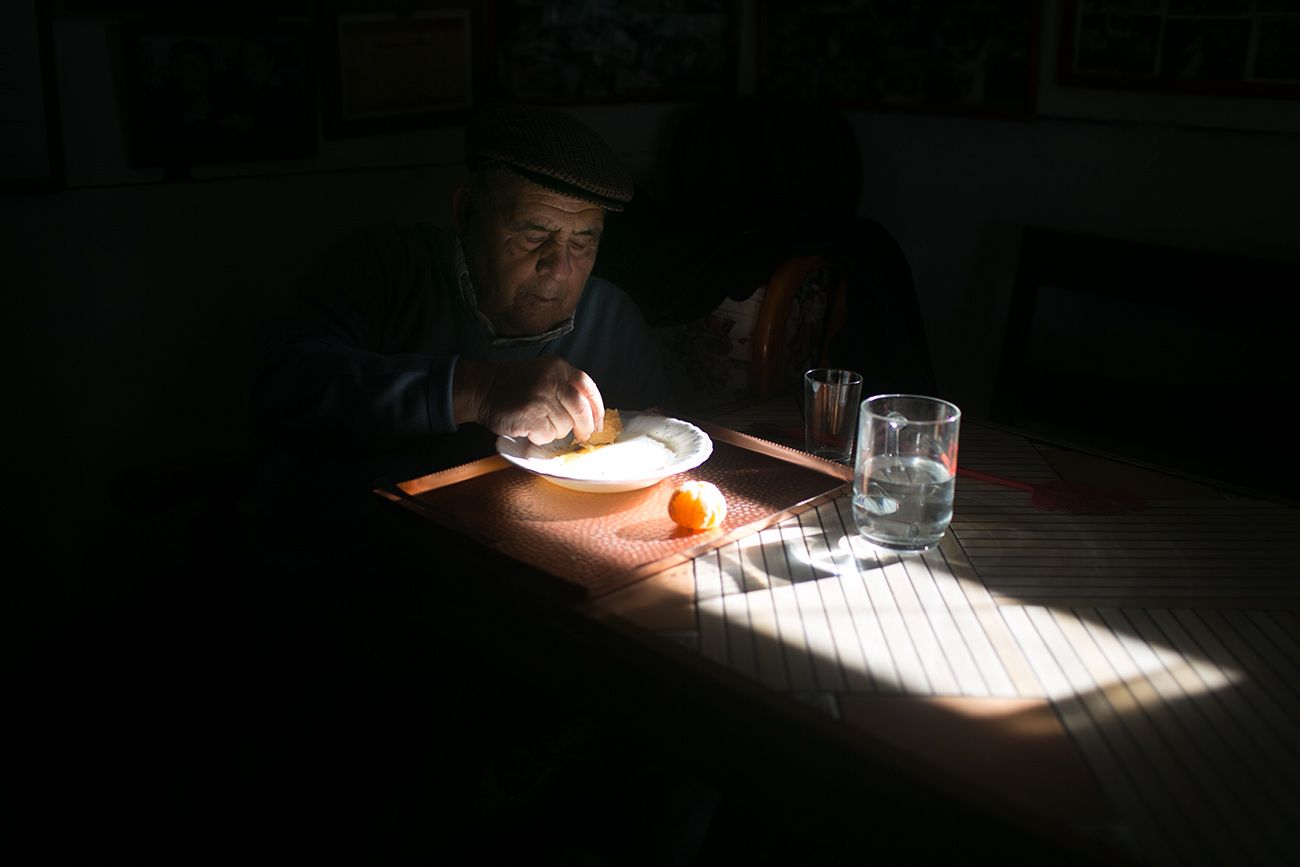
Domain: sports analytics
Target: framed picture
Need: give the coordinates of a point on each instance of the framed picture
(615, 51)
(403, 67)
(1215, 47)
(31, 146)
(938, 56)
(279, 9)
(203, 92)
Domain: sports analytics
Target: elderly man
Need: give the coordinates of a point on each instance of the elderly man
(411, 348)
(407, 335)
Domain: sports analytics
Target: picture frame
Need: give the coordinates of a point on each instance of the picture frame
(619, 51)
(213, 91)
(277, 9)
(390, 67)
(1243, 48)
(927, 56)
(31, 141)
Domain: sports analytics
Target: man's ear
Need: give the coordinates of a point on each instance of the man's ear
(462, 209)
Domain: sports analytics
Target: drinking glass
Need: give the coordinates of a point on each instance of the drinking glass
(903, 475)
(830, 399)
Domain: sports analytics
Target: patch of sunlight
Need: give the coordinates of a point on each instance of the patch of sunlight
(910, 625)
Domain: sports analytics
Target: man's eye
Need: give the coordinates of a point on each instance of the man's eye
(535, 239)
(582, 246)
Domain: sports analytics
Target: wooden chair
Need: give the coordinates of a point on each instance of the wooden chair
(770, 339)
(761, 192)
(862, 278)
(768, 304)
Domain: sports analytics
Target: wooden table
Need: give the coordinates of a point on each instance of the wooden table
(1121, 687)
(1132, 679)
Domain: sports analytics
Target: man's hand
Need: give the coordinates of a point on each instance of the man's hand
(540, 398)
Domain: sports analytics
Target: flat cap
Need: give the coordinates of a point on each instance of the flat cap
(550, 148)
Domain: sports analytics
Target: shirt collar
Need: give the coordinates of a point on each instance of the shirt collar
(471, 301)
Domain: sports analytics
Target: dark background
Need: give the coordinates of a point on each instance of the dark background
(134, 291)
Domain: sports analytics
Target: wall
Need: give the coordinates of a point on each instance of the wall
(135, 308)
(956, 210)
(1204, 172)
(135, 300)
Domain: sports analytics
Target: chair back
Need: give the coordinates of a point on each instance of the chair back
(743, 246)
(804, 306)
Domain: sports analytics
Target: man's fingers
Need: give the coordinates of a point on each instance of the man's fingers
(589, 401)
(578, 408)
(587, 386)
(543, 399)
(542, 433)
(551, 425)
(561, 424)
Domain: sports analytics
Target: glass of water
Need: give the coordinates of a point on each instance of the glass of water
(904, 470)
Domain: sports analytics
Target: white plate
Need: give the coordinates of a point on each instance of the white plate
(650, 448)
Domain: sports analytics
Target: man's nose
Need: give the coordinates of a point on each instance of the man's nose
(556, 260)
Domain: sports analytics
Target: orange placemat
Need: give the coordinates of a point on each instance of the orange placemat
(597, 543)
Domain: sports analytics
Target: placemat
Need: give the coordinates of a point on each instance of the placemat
(599, 542)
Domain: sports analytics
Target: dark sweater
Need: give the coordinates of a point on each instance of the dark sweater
(353, 384)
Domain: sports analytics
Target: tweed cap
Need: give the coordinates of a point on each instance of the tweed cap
(549, 148)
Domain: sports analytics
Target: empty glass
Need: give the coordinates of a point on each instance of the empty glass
(830, 412)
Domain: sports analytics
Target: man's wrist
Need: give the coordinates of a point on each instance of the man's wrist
(467, 384)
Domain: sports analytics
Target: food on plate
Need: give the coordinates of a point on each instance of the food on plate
(697, 505)
(649, 449)
(606, 435)
(636, 453)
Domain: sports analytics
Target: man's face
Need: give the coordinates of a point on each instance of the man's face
(530, 252)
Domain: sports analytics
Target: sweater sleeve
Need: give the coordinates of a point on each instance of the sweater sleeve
(326, 372)
(614, 344)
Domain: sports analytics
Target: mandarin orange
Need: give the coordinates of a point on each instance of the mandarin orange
(697, 505)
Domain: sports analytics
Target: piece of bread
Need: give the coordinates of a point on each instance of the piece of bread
(607, 434)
